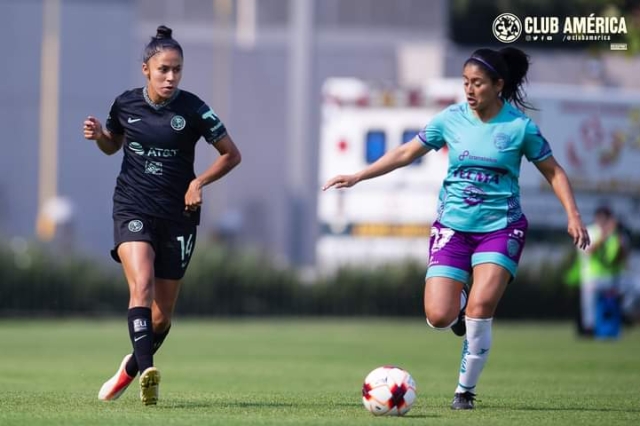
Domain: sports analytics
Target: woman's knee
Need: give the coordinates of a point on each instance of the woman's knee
(442, 301)
(141, 292)
(481, 308)
(441, 318)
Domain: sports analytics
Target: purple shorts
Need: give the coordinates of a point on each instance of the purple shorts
(453, 254)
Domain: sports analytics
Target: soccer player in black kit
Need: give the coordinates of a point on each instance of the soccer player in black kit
(156, 203)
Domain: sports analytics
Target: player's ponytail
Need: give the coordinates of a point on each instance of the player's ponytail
(518, 64)
(510, 65)
(162, 40)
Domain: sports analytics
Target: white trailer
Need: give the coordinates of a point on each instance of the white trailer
(387, 218)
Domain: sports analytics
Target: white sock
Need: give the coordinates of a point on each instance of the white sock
(475, 351)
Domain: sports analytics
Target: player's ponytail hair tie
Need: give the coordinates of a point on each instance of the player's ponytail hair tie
(161, 41)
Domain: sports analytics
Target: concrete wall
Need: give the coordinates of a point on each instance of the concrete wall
(94, 66)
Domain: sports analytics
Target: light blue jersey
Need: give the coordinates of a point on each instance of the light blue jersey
(481, 191)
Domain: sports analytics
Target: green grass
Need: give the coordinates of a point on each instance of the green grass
(309, 372)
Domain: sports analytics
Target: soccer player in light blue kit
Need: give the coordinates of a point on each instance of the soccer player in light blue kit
(480, 230)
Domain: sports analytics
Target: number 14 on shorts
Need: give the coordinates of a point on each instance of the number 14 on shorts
(186, 247)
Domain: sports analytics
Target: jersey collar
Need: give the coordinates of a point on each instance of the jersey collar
(505, 107)
(161, 104)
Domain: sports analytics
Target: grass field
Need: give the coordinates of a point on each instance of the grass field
(309, 372)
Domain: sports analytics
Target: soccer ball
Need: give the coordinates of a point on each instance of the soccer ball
(389, 391)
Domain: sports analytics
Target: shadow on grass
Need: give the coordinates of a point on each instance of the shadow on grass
(250, 404)
(583, 409)
(269, 404)
(408, 416)
(234, 404)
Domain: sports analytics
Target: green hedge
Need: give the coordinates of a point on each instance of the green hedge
(227, 283)
(34, 280)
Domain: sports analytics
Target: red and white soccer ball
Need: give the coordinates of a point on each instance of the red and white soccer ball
(388, 391)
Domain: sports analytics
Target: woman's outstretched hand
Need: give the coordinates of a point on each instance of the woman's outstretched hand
(341, 181)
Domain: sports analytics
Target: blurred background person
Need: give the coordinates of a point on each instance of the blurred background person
(601, 267)
(629, 291)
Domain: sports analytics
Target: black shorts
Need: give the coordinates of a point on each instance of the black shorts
(173, 242)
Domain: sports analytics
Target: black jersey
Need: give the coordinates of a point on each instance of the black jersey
(159, 146)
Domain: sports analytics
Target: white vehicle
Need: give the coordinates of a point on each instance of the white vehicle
(387, 218)
(594, 133)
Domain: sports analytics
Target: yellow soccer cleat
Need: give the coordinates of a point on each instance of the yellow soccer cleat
(149, 386)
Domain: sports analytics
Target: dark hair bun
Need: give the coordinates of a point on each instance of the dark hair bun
(163, 32)
(518, 62)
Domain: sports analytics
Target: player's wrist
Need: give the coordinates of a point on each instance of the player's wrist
(574, 215)
(198, 183)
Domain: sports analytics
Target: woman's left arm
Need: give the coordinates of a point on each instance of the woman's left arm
(557, 178)
(229, 158)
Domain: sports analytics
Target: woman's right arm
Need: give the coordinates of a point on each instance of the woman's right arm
(108, 142)
(397, 157)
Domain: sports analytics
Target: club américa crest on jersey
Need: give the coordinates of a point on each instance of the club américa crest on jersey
(135, 225)
(178, 123)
